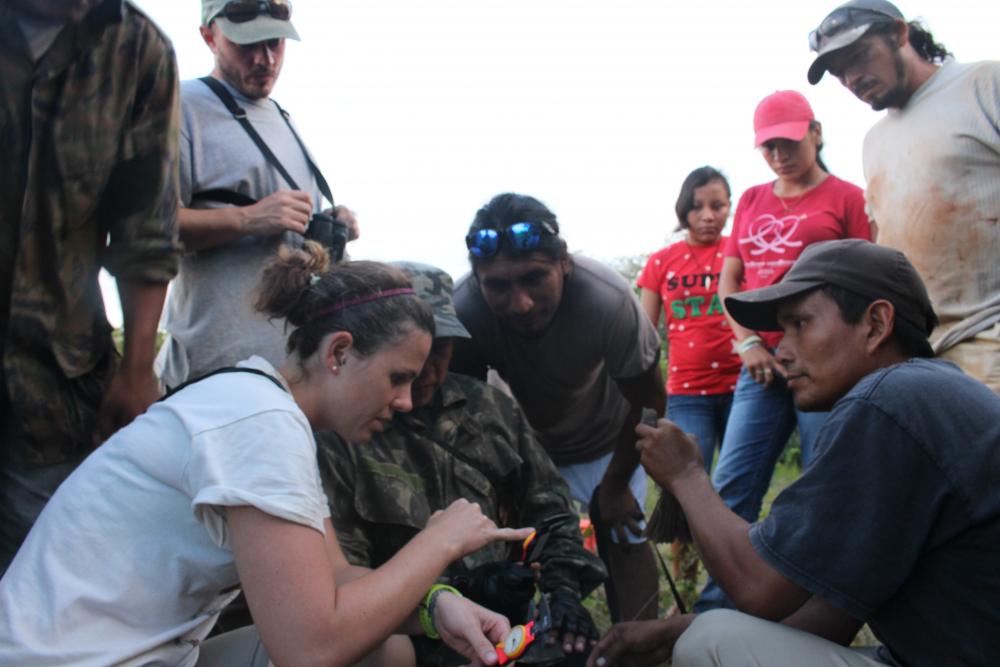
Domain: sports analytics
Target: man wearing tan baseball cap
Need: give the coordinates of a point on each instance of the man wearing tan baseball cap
(238, 203)
(250, 21)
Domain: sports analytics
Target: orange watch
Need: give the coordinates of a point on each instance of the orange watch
(520, 637)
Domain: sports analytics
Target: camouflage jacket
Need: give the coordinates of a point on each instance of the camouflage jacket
(382, 493)
(88, 135)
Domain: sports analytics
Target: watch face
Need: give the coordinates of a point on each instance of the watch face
(514, 645)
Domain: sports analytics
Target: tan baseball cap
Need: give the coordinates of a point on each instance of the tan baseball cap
(250, 21)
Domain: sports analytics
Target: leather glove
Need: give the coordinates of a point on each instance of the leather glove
(570, 617)
(502, 586)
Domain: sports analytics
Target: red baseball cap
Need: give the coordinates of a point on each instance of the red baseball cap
(784, 114)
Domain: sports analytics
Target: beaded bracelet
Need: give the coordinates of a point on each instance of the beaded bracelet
(426, 609)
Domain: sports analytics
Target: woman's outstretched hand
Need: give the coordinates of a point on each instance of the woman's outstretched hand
(462, 526)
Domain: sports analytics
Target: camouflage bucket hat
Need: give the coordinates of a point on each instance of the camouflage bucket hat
(435, 287)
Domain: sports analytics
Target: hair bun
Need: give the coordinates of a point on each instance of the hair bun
(286, 281)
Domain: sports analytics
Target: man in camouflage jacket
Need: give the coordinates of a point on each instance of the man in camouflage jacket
(463, 439)
(88, 135)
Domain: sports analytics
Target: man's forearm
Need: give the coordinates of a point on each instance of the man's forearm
(201, 229)
(723, 541)
(818, 617)
(142, 304)
(644, 391)
(624, 458)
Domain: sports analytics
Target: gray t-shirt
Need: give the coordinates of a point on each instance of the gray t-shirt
(210, 312)
(933, 173)
(565, 379)
(896, 520)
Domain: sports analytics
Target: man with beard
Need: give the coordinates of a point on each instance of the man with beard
(932, 165)
(581, 357)
(210, 316)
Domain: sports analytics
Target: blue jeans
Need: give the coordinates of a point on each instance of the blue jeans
(760, 422)
(704, 417)
(24, 491)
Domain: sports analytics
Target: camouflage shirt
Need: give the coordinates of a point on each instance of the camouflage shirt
(382, 493)
(88, 134)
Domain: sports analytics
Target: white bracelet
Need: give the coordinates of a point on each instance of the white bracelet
(744, 345)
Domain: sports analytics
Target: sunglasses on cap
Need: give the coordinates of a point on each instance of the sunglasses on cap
(845, 18)
(519, 237)
(243, 11)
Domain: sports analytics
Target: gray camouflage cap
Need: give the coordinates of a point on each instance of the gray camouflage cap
(436, 287)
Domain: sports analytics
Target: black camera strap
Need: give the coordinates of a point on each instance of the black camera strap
(240, 115)
(226, 369)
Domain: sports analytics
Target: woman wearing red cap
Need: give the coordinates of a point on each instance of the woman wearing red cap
(774, 223)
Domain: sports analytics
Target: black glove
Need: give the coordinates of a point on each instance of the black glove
(569, 616)
(502, 586)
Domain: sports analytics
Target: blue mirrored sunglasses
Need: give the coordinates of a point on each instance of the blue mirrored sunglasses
(519, 237)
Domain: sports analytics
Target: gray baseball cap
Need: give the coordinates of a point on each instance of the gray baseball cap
(264, 25)
(435, 287)
(845, 25)
(869, 270)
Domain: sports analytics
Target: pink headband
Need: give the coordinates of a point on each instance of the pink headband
(385, 294)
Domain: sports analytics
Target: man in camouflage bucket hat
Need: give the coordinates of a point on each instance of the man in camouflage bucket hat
(463, 439)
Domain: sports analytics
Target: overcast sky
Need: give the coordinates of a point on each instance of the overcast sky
(419, 111)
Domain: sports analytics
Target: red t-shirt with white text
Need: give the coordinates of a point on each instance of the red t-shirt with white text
(701, 359)
(769, 233)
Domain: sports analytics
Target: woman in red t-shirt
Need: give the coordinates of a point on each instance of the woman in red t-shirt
(682, 280)
(773, 224)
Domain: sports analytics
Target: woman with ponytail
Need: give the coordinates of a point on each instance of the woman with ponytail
(216, 488)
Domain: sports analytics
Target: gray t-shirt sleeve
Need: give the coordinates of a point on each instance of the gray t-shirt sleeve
(851, 529)
(631, 343)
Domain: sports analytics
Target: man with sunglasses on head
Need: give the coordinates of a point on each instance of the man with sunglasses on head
(570, 338)
(237, 205)
(932, 165)
(88, 139)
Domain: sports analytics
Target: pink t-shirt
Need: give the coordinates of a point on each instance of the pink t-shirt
(701, 359)
(769, 233)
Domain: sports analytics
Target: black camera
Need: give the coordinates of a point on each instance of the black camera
(328, 232)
